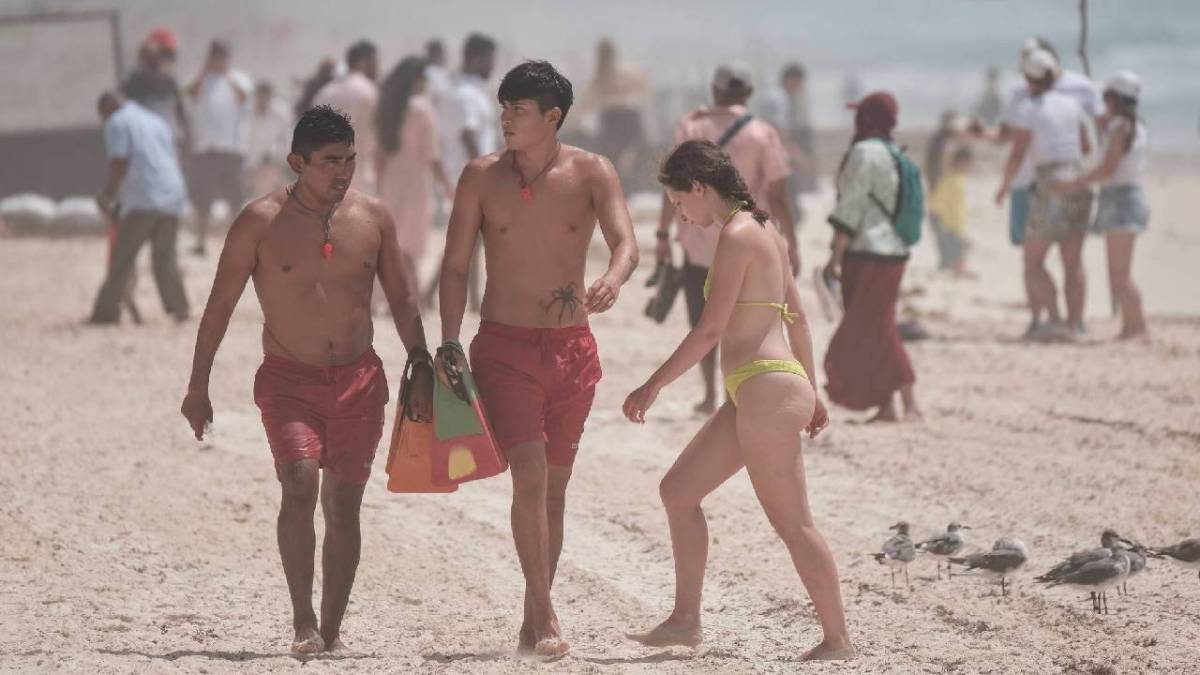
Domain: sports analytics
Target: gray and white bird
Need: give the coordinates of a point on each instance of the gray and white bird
(1137, 563)
(897, 552)
(1186, 553)
(1097, 576)
(943, 546)
(1008, 555)
(1110, 541)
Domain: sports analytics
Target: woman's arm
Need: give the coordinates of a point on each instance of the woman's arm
(1108, 166)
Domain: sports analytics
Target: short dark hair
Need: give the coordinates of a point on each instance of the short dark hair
(320, 126)
(435, 49)
(538, 80)
(478, 45)
(363, 49)
(794, 69)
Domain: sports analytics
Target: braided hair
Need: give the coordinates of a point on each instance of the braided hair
(705, 162)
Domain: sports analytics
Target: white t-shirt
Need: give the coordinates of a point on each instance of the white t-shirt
(1073, 84)
(356, 95)
(470, 107)
(1054, 120)
(1133, 162)
(217, 122)
(268, 135)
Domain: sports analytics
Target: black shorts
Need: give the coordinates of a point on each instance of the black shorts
(215, 175)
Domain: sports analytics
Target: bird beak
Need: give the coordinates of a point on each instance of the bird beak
(1130, 544)
(895, 527)
(964, 527)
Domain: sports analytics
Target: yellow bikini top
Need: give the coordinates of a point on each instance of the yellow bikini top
(788, 316)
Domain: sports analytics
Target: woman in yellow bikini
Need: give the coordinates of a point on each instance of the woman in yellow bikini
(752, 301)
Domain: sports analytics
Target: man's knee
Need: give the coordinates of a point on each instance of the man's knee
(528, 466)
(341, 503)
(300, 483)
(556, 487)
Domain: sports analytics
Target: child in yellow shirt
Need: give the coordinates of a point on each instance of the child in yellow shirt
(948, 213)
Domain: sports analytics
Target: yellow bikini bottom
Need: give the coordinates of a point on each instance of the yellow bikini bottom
(745, 372)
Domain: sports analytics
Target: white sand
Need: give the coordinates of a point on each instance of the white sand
(127, 547)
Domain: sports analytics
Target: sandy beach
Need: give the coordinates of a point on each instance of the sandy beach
(129, 547)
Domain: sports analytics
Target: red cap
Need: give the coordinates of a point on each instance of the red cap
(163, 38)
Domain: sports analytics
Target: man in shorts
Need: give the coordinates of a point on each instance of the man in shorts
(536, 205)
(314, 250)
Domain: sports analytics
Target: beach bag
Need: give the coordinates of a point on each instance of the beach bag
(909, 211)
(410, 456)
(464, 448)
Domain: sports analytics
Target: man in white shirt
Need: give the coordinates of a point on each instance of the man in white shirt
(469, 125)
(219, 95)
(145, 191)
(1050, 134)
(472, 121)
(357, 95)
(268, 134)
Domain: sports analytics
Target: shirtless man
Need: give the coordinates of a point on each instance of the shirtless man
(535, 360)
(314, 250)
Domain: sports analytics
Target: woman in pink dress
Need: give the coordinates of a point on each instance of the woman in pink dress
(409, 159)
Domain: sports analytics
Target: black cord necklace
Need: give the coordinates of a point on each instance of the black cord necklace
(325, 218)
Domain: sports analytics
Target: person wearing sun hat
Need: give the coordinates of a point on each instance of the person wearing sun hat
(1050, 128)
(1123, 212)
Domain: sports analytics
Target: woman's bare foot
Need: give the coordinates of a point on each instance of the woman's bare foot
(308, 641)
(706, 407)
(671, 633)
(828, 651)
(913, 414)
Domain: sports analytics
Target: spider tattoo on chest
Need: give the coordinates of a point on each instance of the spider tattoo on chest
(566, 299)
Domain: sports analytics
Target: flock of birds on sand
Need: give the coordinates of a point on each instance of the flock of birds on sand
(1093, 570)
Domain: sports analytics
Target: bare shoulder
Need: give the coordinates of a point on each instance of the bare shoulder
(483, 167)
(258, 214)
(589, 165)
(742, 232)
(361, 202)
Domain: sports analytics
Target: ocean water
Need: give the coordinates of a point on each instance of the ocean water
(930, 53)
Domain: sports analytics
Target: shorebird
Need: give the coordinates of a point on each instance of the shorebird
(1110, 541)
(1185, 554)
(1007, 556)
(1137, 563)
(1098, 576)
(897, 552)
(944, 546)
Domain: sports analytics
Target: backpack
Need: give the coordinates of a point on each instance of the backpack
(909, 211)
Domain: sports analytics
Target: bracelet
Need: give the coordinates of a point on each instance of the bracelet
(662, 235)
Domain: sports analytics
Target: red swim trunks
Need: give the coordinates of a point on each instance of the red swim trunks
(537, 384)
(329, 413)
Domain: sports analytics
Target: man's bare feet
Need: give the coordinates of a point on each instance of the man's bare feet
(551, 648)
(1140, 335)
(886, 413)
(671, 633)
(337, 647)
(525, 640)
(308, 641)
(827, 651)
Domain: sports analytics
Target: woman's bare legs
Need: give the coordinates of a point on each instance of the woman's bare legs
(1120, 273)
(773, 410)
(707, 462)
